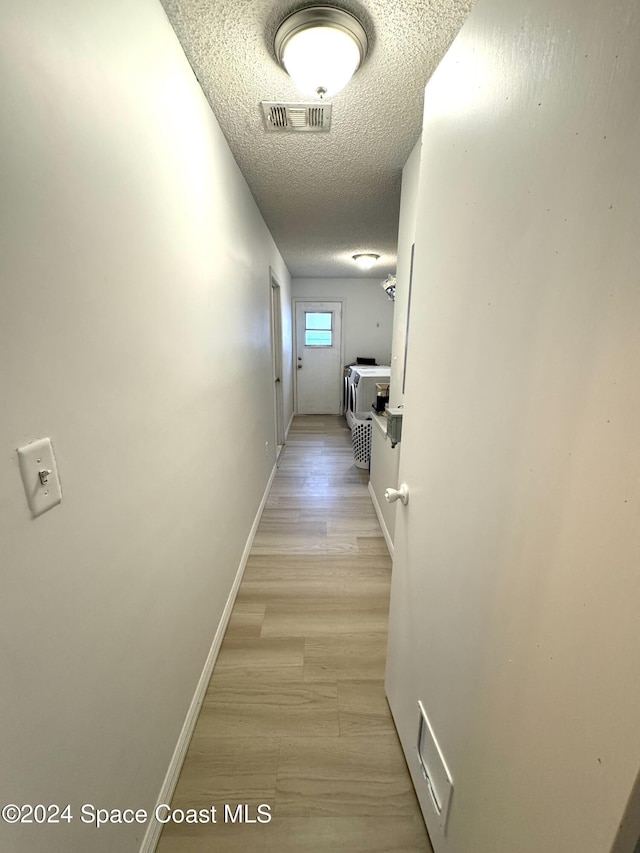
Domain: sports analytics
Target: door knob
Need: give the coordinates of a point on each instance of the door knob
(401, 494)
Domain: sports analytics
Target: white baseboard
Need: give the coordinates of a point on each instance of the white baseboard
(286, 432)
(383, 524)
(154, 828)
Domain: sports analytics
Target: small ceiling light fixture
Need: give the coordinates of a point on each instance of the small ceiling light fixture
(365, 260)
(321, 48)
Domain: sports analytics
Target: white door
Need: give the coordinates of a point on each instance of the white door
(318, 357)
(276, 342)
(515, 584)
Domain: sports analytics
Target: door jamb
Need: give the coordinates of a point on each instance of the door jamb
(277, 360)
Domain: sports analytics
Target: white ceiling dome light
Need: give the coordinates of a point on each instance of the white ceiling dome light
(366, 260)
(321, 48)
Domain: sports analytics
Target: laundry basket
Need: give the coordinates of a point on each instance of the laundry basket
(361, 437)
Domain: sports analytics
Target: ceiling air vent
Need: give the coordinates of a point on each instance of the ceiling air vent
(296, 118)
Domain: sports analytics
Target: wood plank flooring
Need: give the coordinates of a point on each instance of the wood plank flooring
(295, 715)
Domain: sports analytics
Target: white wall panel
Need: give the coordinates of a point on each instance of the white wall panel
(367, 317)
(401, 307)
(134, 331)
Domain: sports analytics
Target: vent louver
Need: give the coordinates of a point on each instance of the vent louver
(296, 118)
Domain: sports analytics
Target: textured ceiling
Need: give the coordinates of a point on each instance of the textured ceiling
(323, 196)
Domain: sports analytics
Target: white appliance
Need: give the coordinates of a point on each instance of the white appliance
(360, 389)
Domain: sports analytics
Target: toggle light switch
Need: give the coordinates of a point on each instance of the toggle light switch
(40, 476)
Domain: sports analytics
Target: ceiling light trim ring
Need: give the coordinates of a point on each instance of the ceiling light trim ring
(366, 260)
(320, 16)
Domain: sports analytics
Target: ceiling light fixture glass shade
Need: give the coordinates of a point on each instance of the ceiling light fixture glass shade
(365, 260)
(321, 48)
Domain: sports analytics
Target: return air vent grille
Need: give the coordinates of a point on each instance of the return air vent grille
(296, 118)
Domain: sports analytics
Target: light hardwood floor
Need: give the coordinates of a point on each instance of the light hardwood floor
(295, 715)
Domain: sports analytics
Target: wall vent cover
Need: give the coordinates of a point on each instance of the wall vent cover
(434, 769)
(296, 118)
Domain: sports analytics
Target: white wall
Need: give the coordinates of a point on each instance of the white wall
(406, 237)
(134, 331)
(383, 474)
(368, 313)
(385, 460)
(518, 550)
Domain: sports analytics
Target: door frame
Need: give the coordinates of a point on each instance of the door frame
(308, 299)
(277, 360)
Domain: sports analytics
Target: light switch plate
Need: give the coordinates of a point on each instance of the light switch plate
(40, 476)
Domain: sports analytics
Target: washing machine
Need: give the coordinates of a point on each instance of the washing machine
(360, 389)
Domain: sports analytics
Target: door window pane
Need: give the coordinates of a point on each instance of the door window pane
(318, 329)
(317, 338)
(317, 320)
